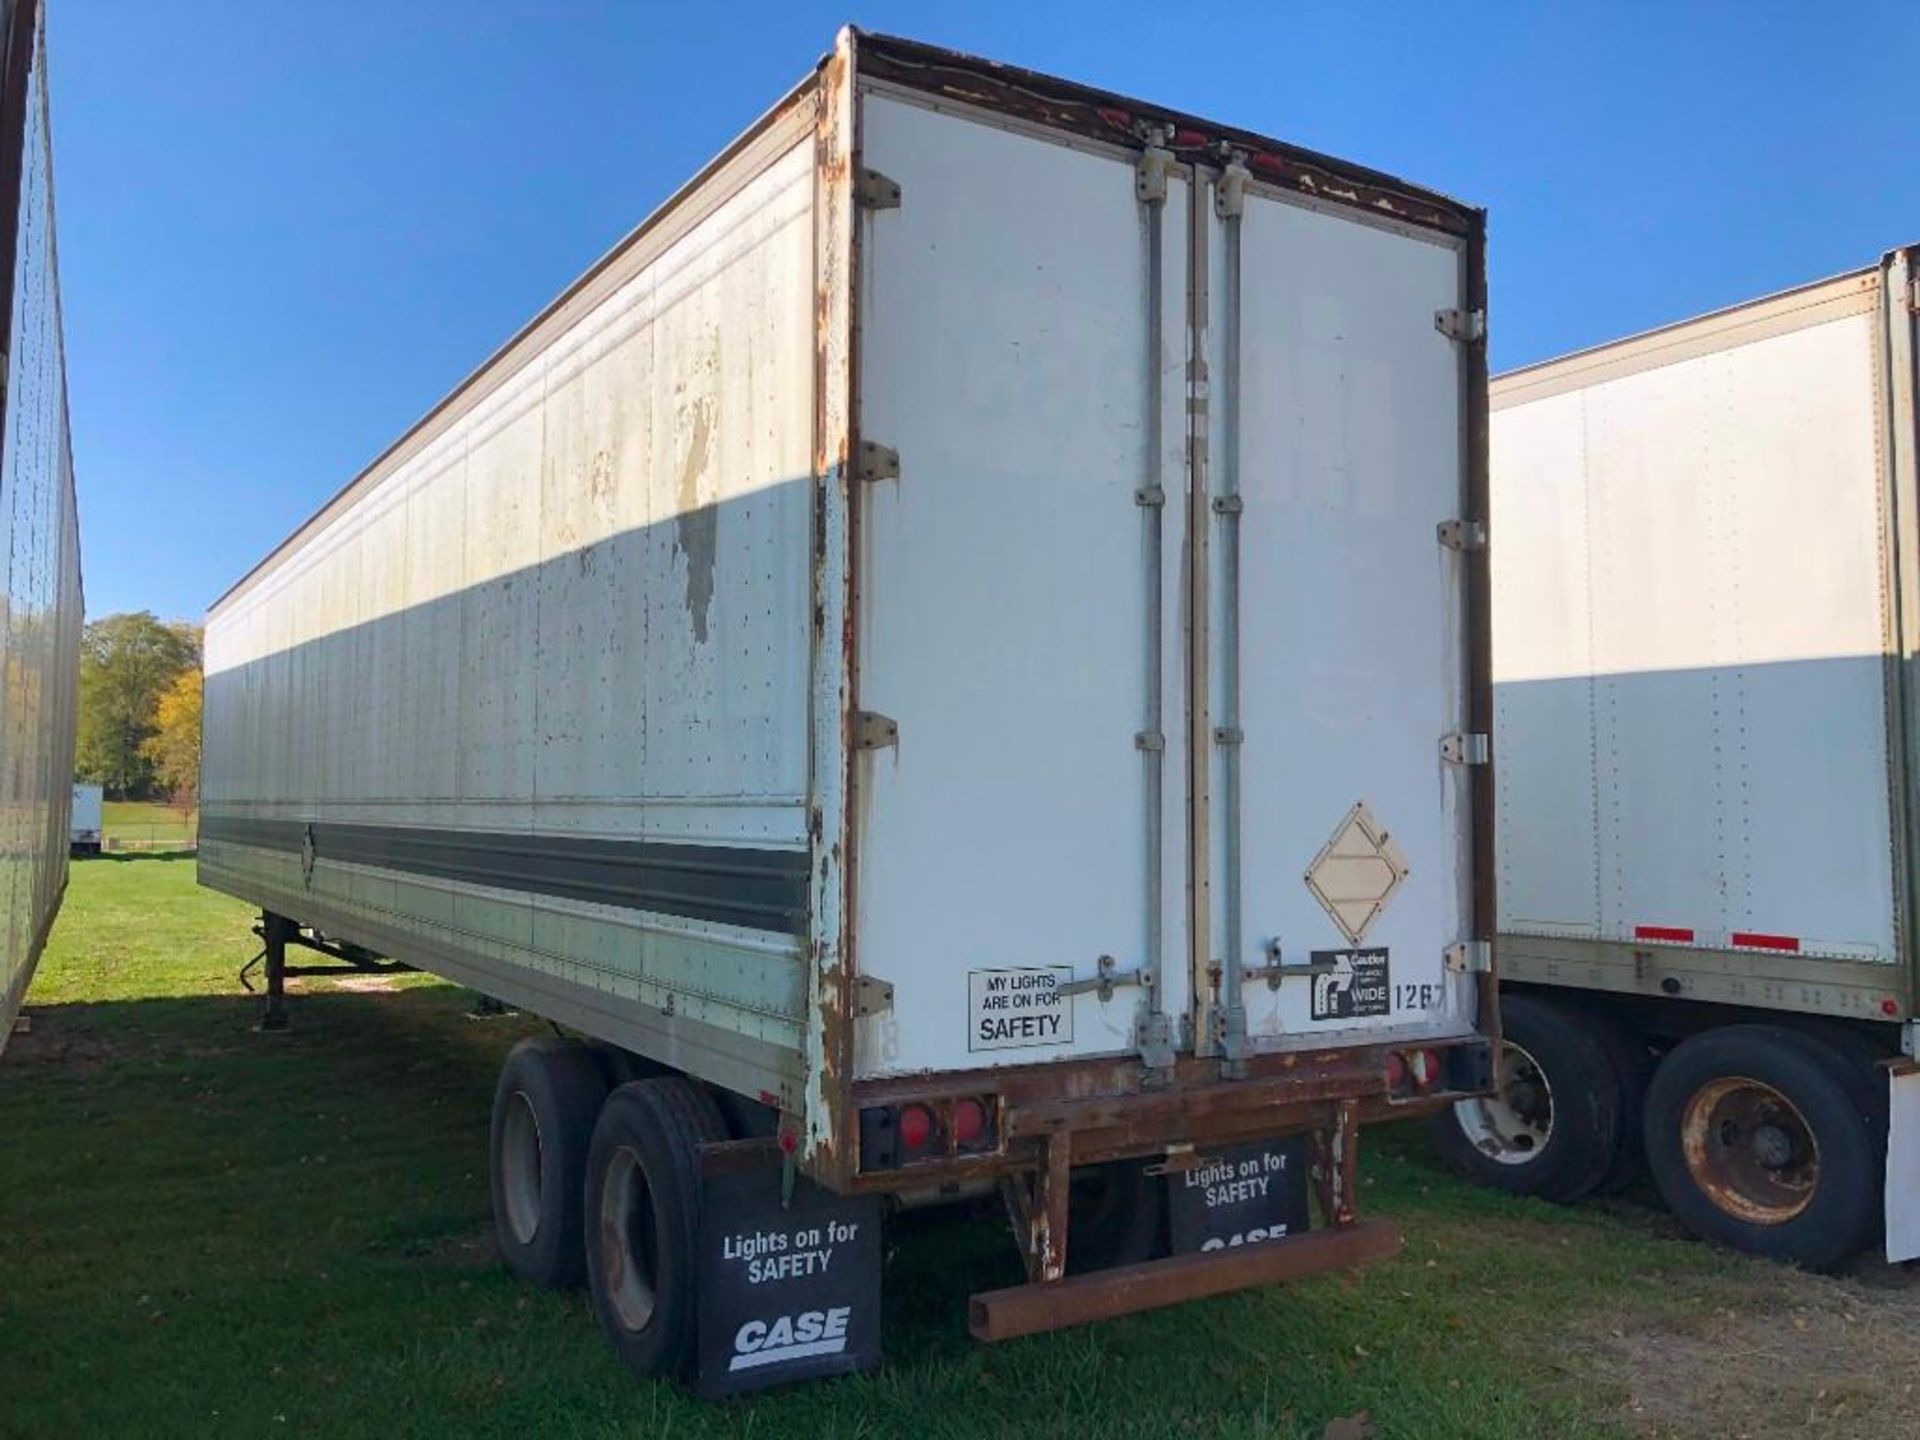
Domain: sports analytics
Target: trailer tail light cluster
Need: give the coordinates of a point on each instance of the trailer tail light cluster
(1426, 1070)
(893, 1136)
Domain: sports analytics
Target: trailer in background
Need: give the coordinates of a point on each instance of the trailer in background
(87, 822)
(1706, 614)
(954, 660)
(40, 599)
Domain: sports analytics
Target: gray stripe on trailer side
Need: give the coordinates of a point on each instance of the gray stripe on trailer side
(731, 885)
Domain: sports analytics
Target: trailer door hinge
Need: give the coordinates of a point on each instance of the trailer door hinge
(875, 461)
(1461, 534)
(874, 191)
(1465, 326)
(1230, 192)
(1470, 957)
(871, 995)
(1150, 174)
(1466, 749)
(874, 731)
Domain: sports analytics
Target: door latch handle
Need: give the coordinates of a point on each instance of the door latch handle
(1110, 979)
(1276, 970)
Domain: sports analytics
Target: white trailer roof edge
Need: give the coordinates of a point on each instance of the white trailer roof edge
(1850, 292)
(743, 158)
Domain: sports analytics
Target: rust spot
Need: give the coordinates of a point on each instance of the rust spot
(1102, 115)
(696, 526)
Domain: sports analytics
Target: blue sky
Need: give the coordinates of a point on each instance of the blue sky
(287, 229)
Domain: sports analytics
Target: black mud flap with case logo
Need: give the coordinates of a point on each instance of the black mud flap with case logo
(1242, 1195)
(782, 1292)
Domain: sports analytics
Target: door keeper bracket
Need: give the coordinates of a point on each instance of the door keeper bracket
(1470, 957)
(874, 731)
(1466, 749)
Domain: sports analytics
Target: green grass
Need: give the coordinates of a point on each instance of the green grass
(146, 823)
(208, 1231)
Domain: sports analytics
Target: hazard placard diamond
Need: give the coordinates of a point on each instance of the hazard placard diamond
(1357, 873)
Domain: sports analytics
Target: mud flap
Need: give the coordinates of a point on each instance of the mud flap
(783, 1292)
(1903, 1164)
(1242, 1195)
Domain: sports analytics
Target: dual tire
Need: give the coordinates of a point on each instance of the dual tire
(1564, 1122)
(1770, 1140)
(601, 1183)
(1764, 1138)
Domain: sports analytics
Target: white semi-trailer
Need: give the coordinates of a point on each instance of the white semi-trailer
(40, 600)
(1706, 611)
(953, 658)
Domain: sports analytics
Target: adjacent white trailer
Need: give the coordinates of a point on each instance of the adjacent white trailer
(1706, 610)
(960, 646)
(41, 604)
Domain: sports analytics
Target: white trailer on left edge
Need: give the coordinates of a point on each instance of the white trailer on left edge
(40, 599)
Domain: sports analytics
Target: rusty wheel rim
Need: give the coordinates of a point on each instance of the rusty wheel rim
(629, 1250)
(1750, 1150)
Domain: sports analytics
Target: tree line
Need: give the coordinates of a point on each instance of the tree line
(140, 708)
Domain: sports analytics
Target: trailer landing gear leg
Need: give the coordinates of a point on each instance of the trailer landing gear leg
(275, 930)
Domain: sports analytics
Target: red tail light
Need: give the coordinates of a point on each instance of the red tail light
(1396, 1071)
(916, 1126)
(969, 1123)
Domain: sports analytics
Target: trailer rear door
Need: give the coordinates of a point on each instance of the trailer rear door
(1017, 617)
(1243, 529)
(1338, 652)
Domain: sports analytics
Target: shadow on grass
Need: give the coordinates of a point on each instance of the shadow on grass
(202, 1194)
(122, 857)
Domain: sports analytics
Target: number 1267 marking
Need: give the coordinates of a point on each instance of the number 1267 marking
(1423, 996)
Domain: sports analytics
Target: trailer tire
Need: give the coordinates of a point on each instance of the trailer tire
(1762, 1138)
(1557, 1128)
(1633, 1068)
(1116, 1215)
(642, 1219)
(544, 1106)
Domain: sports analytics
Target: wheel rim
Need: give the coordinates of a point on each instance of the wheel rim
(629, 1252)
(520, 1163)
(1511, 1126)
(1750, 1150)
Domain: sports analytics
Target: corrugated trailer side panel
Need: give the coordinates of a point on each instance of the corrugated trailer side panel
(1692, 621)
(40, 544)
(528, 704)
